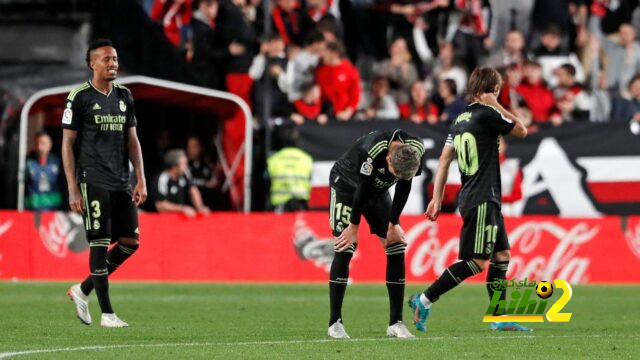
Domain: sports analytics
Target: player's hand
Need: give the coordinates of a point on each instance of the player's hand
(188, 211)
(489, 99)
(204, 210)
(433, 210)
(349, 236)
(395, 234)
(139, 193)
(76, 202)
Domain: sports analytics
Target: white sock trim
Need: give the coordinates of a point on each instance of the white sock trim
(425, 300)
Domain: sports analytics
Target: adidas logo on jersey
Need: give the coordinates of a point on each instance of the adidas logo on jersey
(96, 107)
(381, 170)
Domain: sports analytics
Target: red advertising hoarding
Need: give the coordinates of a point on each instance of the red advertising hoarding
(266, 247)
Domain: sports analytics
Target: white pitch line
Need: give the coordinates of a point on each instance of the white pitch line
(6, 355)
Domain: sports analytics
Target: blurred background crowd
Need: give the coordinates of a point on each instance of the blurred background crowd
(322, 60)
(319, 61)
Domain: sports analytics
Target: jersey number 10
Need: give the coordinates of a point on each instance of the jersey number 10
(467, 151)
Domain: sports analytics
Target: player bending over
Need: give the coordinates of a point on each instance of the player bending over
(98, 139)
(483, 239)
(359, 182)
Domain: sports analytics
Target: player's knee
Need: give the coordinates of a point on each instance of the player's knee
(482, 263)
(504, 255)
(129, 242)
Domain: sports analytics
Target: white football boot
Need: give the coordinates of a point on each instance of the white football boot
(337, 331)
(112, 321)
(82, 303)
(399, 330)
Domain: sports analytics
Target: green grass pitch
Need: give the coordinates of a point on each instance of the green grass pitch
(178, 321)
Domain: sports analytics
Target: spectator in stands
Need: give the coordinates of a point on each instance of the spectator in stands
(339, 81)
(42, 177)
(600, 110)
(239, 38)
(311, 107)
(446, 69)
(472, 26)
(289, 171)
(380, 104)
(508, 17)
(627, 109)
(173, 190)
(572, 99)
(202, 173)
(419, 109)
(175, 17)
(398, 69)
(623, 55)
(453, 105)
(535, 92)
(209, 53)
(267, 66)
(511, 178)
(301, 68)
(291, 22)
(512, 53)
(550, 56)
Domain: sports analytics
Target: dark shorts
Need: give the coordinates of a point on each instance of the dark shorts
(376, 210)
(108, 214)
(483, 232)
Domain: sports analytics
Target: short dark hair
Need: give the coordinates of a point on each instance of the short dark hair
(635, 78)
(336, 47)
(482, 80)
(313, 37)
(451, 84)
(569, 68)
(552, 29)
(95, 44)
(41, 133)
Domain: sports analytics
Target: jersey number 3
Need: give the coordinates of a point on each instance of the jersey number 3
(467, 151)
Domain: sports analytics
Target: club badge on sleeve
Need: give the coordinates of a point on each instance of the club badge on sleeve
(367, 167)
(66, 116)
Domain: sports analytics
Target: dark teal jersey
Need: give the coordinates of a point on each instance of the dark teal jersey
(102, 122)
(366, 161)
(475, 134)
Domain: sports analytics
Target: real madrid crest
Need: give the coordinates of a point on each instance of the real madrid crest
(123, 106)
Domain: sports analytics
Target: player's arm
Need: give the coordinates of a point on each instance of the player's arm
(135, 154)
(76, 202)
(196, 200)
(446, 157)
(350, 234)
(395, 234)
(504, 127)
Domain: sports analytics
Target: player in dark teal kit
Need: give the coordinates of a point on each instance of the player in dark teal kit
(473, 139)
(359, 182)
(99, 138)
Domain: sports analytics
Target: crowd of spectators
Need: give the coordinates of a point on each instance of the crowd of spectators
(324, 60)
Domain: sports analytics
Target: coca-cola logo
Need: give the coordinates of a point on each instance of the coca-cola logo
(632, 234)
(539, 250)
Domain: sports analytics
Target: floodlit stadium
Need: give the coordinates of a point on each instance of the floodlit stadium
(319, 179)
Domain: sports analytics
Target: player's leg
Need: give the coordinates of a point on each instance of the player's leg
(125, 230)
(339, 211)
(475, 251)
(97, 220)
(498, 272)
(377, 214)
